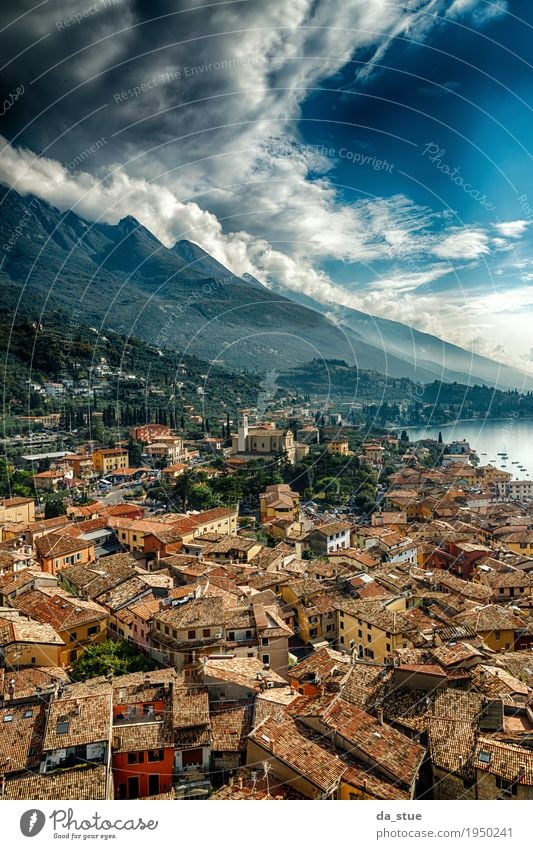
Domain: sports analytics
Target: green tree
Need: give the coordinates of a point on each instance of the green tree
(135, 453)
(54, 506)
(112, 657)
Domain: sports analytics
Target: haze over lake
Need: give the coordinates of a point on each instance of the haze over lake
(489, 439)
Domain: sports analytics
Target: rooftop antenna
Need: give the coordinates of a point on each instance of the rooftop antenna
(266, 770)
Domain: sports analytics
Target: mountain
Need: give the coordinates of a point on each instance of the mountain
(121, 277)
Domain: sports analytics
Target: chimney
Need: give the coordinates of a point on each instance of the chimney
(240, 782)
(380, 715)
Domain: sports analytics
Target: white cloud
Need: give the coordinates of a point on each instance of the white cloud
(512, 229)
(463, 244)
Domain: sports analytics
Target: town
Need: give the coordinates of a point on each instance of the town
(277, 605)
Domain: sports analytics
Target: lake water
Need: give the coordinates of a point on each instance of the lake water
(490, 438)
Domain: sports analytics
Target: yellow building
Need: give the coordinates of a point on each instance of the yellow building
(373, 630)
(17, 510)
(79, 623)
(107, 460)
(498, 627)
(26, 642)
(339, 447)
(279, 502)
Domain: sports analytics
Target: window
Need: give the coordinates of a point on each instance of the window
(206, 632)
(94, 629)
(8, 717)
(264, 641)
(167, 631)
(248, 635)
(369, 653)
(192, 757)
(387, 646)
(369, 637)
(28, 713)
(191, 635)
(509, 787)
(135, 757)
(72, 655)
(231, 636)
(62, 727)
(313, 632)
(265, 658)
(342, 640)
(342, 626)
(497, 635)
(156, 755)
(73, 637)
(360, 634)
(329, 628)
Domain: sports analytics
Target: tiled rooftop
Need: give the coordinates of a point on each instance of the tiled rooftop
(283, 741)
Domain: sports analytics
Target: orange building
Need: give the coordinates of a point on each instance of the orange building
(57, 551)
(143, 740)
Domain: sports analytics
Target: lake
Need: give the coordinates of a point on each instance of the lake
(489, 438)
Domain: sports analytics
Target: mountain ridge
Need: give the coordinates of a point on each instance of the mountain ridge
(121, 276)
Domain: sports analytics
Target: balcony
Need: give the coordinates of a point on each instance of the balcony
(136, 718)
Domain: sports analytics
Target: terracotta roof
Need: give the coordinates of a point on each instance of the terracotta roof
(97, 578)
(332, 528)
(491, 617)
(321, 664)
(282, 739)
(510, 762)
(453, 654)
(88, 783)
(202, 612)
(389, 749)
(376, 613)
(21, 629)
(230, 727)
(125, 593)
(21, 734)
(244, 671)
(190, 708)
(366, 684)
(143, 735)
(57, 545)
(57, 607)
(451, 744)
(28, 680)
(79, 717)
(250, 785)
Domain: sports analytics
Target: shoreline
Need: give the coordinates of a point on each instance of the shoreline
(464, 421)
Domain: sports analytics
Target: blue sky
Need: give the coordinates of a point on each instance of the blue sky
(373, 156)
